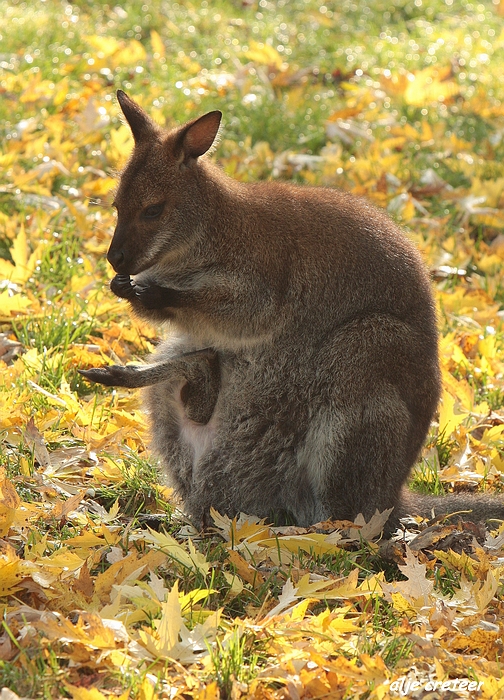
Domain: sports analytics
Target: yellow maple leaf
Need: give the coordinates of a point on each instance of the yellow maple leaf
(157, 43)
(298, 612)
(349, 587)
(121, 143)
(491, 190)
(170, 623)
(87, 540)
(99, 187)
(134, 419)
(460, 389)
(482, 642)
(264, 54)
(237, 530)
(36, 89)
(315, 543)
(171, 638)
(490, 264)
(492, 687)
(11, 571)
(244, 570)
(210, 692)
(394, 84)
(104, 44)
(372, 668)
(191, 560)
(80, 693)
(493, 219)
(62, 559)
(402, 605)
(9, 503)
(24, 262)
(78, 213)
(448, 419)
(130, 567)
(89, 630)
(131, 52)
(146, 691)
(430, 85)
(12, 305)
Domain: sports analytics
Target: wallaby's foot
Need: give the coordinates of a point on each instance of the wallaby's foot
(109, 376)
(123, 286)
(200, 369)
(204, 522)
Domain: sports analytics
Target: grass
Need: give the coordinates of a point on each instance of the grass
(235, 661)
(402, 104)
(136, 493)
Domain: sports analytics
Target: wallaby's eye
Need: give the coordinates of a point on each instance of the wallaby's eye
(153, 211)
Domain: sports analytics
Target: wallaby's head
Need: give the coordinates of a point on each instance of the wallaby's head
(157, 199)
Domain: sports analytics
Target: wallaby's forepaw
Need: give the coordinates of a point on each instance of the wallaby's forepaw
(149, 296)
(123, 286)
(153, 297)
(109, 376)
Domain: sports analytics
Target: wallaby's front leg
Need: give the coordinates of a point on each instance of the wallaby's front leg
(154, 297)
(151, 297)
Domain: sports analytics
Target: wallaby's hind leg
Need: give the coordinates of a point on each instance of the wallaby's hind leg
(234, 482)
(365, 457)
(249, 464)
(374, 433)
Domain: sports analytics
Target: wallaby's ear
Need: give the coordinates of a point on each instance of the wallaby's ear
(196, 137)
(141, 124)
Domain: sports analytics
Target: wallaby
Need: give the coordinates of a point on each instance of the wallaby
(303, 374)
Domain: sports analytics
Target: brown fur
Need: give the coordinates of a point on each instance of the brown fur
(308, 320)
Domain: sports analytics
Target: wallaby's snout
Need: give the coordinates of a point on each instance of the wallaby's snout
(116, 258)
(127, 251)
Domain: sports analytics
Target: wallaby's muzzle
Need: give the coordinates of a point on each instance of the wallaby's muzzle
(122, 255)
(116, 258)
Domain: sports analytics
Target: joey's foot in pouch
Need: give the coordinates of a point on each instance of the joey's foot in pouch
(123, 286)
(109, 376)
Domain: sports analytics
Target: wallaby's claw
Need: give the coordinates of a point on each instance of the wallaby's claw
(109, 376)
(123, 286)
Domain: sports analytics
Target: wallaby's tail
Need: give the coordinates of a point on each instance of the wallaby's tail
(134, 376)
(468, 506)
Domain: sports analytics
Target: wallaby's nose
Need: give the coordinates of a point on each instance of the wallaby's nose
(116, 258)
